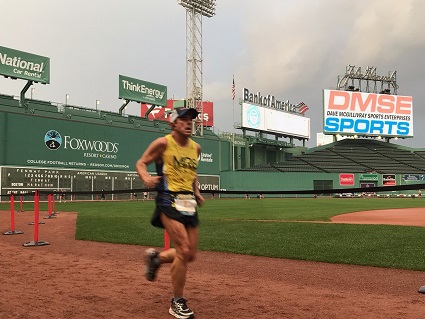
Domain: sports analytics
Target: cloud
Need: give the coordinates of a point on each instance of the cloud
(292, 49)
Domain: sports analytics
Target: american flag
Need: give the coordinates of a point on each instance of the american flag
(302, 108)
(233, 89)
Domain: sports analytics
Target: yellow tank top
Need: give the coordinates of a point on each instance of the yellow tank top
(179, 165)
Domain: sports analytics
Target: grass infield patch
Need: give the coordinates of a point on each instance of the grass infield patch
(266, 227)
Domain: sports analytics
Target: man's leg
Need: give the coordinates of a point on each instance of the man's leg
(168, 256)
(185, 244)
(185, 241)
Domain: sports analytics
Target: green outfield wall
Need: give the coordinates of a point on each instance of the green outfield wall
(56, 147)
(288, 181)
(58, 143)
(43, 146)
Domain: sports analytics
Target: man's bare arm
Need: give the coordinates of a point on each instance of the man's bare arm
(152, 154)
(199, 199)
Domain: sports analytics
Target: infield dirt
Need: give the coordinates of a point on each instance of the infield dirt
(85, 280)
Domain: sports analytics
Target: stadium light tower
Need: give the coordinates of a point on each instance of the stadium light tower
(195, 9)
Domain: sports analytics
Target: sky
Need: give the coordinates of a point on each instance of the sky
(291, 49)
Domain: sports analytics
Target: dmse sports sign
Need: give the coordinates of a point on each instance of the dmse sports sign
(367, 114)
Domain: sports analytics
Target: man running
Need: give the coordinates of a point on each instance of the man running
(176, 159)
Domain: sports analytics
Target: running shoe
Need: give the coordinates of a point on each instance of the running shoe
(152, 263)
(180, 310)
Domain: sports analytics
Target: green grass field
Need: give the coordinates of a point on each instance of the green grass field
(267, 227)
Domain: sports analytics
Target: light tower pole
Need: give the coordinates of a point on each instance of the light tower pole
(195, 9)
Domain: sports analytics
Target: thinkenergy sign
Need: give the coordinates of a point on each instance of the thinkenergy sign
(22, 65)
(142, 91)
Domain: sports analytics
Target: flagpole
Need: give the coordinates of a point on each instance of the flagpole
(233, 135)
(233, 123)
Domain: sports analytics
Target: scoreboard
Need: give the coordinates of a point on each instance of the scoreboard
(21, 180)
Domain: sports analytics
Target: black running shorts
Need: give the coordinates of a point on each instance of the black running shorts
(166, 204)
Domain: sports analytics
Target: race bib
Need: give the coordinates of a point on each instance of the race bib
(185, 204)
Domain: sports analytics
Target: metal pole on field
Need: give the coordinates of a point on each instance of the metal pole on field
(49, 207)
(21, 199)
(233, 123)
(36, 242)
(12, 218)
(166, 240)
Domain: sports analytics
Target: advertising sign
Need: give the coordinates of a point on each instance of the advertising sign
(257, 118)
(388, 180)
(209, 183)
(142, 91)
(22, 65)
(160, 113)
(271, 102)
(414, 177)
(44, 142)
(346, 179)
(368, 177)
(367, 114)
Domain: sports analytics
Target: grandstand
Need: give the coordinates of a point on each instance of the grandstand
(353, 156)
